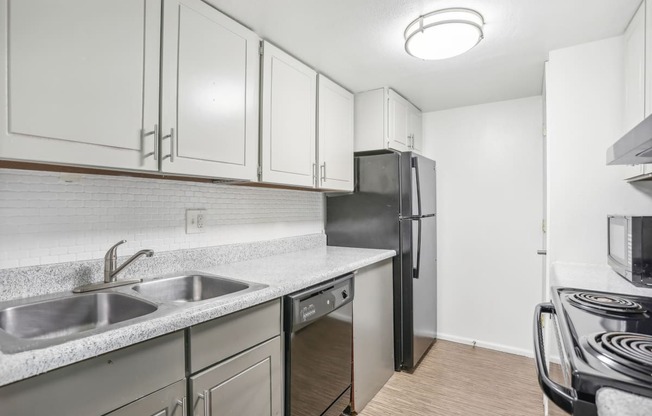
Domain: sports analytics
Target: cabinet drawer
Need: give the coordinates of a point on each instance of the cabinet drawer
(214, 341)
(101, 384)
(169, 401)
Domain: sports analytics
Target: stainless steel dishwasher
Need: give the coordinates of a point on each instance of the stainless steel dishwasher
(319, 349)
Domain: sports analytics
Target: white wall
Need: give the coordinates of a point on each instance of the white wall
(490, 206)
(584, 117)
(48, 217)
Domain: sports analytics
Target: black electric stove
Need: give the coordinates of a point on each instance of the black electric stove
(605, 341)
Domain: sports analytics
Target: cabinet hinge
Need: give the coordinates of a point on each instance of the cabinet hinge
(260, 171)
(260, 50)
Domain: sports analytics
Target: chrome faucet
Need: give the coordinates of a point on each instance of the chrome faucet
(111, 268)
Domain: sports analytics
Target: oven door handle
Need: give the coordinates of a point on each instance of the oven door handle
(562, 396)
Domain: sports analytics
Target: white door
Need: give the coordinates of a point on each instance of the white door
(289, 100)
(80, 80)
(335, 137)
(209, 93)
(397, 111)
(415, 128)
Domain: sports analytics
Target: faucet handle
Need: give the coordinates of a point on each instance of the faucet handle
(112, 252)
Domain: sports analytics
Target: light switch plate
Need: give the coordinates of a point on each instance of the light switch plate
(195, 221)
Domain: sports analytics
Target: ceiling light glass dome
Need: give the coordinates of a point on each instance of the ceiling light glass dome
(444, 33)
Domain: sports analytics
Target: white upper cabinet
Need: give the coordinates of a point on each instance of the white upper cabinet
(209, 93)
(648, 58)
(81, 80)
(385, 120)
(289, 99)
(399, 132)
(415, 129)
(335, 136)
(634, 70)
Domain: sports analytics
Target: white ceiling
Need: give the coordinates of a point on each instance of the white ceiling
(359, 43)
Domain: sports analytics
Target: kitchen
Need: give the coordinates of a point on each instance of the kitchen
(109, 134)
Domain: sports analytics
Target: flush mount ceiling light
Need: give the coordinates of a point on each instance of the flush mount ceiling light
(444, 33)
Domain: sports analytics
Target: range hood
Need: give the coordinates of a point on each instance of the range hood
(634, 148)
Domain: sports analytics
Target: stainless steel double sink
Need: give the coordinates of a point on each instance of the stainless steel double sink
(29, 324)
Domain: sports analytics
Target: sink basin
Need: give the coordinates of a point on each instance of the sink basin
(191, 288)
(61, 317)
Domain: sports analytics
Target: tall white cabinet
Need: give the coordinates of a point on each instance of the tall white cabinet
(209, 93)
(335, 136)
(634, 69)
(80, 79)
(386, 120)
(288, 128)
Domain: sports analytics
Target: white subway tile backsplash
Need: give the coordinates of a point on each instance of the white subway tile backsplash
(48, 217)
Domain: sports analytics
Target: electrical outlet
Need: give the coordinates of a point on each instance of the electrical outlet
(195, 221)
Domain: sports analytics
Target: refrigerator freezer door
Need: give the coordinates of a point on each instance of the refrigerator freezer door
(423, 173)
(418, 186)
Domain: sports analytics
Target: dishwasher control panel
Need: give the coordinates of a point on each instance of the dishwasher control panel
(313, 303)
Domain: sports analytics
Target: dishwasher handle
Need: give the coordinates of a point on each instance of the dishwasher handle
(316, 302)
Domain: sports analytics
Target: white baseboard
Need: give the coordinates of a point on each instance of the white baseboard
(488, 345)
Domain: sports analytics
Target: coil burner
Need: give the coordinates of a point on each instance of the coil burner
(625, 352)
(600, 302)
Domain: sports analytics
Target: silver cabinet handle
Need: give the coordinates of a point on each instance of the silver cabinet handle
(171, 137)
(542, 252)
(143, 136)
(207, 402)
(322, 170)
(182, 402)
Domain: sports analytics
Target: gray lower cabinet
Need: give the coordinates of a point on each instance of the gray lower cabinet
(169, 401)
(102, 384)
(235, 363)
(247, 384)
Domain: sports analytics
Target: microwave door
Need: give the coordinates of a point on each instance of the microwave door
(618, 231)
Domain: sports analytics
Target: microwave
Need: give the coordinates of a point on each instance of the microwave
(629, 248)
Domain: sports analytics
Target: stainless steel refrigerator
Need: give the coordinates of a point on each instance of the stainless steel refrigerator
(393, 206)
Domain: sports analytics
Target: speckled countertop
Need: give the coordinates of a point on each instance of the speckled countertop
(594, 277)
(610, 402)
(283, 273)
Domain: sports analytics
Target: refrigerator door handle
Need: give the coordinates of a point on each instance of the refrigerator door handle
(415, 166)
(415, 271)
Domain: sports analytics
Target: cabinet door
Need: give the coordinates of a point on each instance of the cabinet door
(648, 58)
(415, 129)
(398, 122)
(634, 68)
(209, 93)
(289, 99)
(80, 78)
(373, 332)
(248, 384)
(169, 401)
(335, 120)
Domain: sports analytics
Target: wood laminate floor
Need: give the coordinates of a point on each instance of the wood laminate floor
(456, 379)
